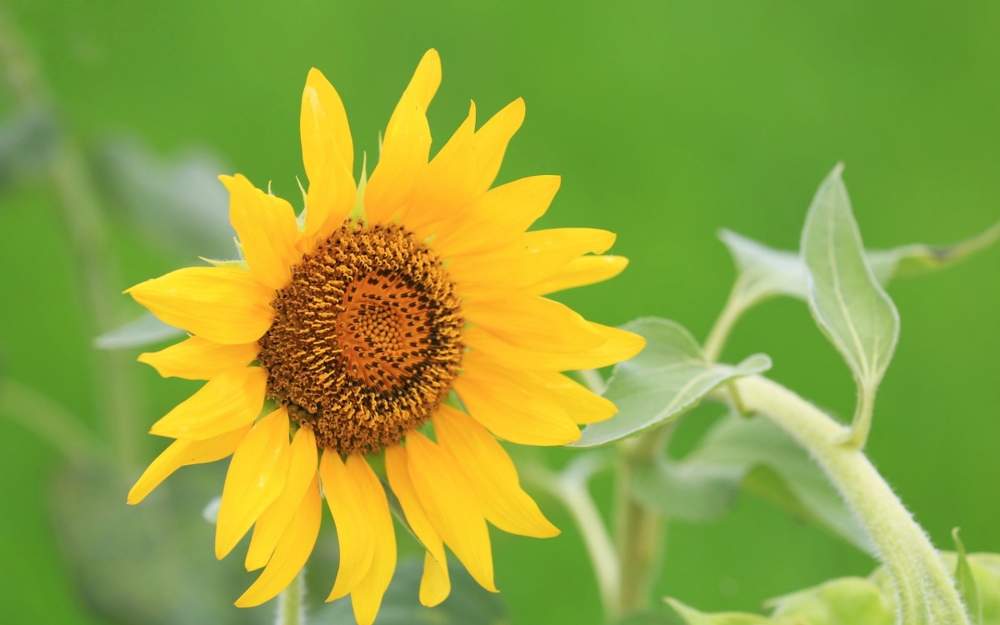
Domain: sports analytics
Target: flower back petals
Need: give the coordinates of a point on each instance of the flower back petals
(226, 402)
(302, 467)
(406, 145)
(181, 453)
(197, 358)
(492, 474)
(256, 477)
(267, 230)
(291, 552)
(452, 506)
(221, 304)
(366, 598)
(357, 543)
(328, 156)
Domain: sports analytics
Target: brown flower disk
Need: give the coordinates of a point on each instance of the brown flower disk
(367, 338)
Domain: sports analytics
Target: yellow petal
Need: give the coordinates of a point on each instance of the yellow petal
(581, 272)
(492, 140)
(256, 477)
(619, 345)
(221, 304)
(357, 543)
(452, 506)
(302, 466)
(200, 359)
(499, 217)
(406, 145)
(367, 595)
(182, 453)
(491, 473)
(267, 230)
(535, 256)
(435, 585)
(448, 184)
(228, 401)
(533, 322)
(397, 468)
(502, 400)
(582, 405)
(292, 551)
(328, 156)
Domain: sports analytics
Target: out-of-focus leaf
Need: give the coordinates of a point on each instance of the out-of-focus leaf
(846, 300)
(765, 272)
(754, 455)
(966, 581)
(144, 330)
(918, 258)
(179, 202)
(664, 616)
(846, 601)
(150, 564)
(26, 143)
(665, 380)
(468, 603)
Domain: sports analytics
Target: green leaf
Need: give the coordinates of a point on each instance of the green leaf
(467, 604)
(765, 272)
(141, 331)
(918, 258)
(177, 201)
(690, 616)
(665, 380)
(846, 300)
(846, 601)
(966, 581)
(150, 564)
(756, 456)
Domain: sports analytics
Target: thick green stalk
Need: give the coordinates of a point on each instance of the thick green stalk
(924, 588)
(291, 602)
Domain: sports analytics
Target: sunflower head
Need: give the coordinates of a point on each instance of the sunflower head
(357, 319)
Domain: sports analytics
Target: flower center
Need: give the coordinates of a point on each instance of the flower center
(367, 338)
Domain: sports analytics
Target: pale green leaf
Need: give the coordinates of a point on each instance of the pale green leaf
(141, 331)
(665, 380)
(690, 616)
(966, 581)
(756, 456)
(846, 601)
(918, 258)
(848, 303)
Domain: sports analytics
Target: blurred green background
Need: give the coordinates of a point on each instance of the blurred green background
(667, 121)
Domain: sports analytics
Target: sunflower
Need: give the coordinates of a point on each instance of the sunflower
(401, 316)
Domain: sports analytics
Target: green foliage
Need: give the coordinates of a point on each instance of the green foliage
(754, 455)
(847, 302)
(467, 604)
(669, 377)
(150, 564)
(854, 600)
(966, 581)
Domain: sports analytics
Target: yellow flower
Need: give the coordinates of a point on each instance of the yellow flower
(357, 321)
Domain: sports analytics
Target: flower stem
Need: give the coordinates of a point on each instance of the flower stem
(717, 336)
(291, 602)
(924, 589)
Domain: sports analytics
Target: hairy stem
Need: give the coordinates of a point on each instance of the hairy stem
(291, 604)
(717, 336)
(88, 233)
(925, 591)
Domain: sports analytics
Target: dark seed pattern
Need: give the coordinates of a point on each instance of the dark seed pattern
(367, 338)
